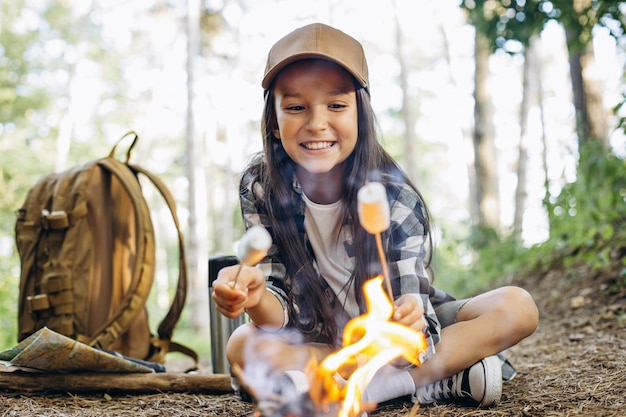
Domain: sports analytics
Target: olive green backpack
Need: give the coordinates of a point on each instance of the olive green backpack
(87, 250)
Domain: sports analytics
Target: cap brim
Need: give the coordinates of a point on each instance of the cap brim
(273, 72)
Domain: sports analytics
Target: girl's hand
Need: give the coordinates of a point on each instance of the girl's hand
(232, 302)
(409, 312)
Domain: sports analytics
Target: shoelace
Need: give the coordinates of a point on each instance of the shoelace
(446, 388)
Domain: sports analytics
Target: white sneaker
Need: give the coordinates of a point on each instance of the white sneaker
(480, 384)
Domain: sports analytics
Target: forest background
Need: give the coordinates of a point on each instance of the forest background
(509, 116)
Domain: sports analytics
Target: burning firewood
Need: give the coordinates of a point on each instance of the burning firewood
(370, 341)
(285, 402)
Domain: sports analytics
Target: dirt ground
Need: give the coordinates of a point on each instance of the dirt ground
(574, 365)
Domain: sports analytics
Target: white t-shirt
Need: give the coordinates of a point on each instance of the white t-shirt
(322, 224)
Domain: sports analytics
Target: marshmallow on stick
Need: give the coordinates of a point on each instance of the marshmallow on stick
(252, 248)
(374, 208)
(375, 217)
(254, 245)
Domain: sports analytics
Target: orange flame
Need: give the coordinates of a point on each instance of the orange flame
(370, 341)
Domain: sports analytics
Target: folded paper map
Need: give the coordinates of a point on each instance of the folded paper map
(48, 351)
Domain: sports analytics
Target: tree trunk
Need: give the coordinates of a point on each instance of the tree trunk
(587, 92)
(196, 240)
(528, 89)
(544, 140)
(485, 160)
(408, 116)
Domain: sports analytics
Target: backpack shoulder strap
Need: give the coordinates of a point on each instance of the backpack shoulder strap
(166, 327)
(163, 342)
(141, 281)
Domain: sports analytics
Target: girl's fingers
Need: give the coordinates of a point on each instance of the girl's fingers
(231, 314)
(229, 301)
(409, 313)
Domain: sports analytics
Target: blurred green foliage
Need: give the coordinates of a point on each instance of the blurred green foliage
(9, 288)
(519, 20)
(586, 220)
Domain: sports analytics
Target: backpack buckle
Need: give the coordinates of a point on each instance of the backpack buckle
(58, 219)
(38, 302)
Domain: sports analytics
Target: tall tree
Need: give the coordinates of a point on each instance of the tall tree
(197, 232)
(408, 113)
(588, 92)
(485, 159)
(587, 89)
(529, 86)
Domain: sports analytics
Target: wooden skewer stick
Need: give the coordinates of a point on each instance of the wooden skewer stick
(236, 276)
(383, 262)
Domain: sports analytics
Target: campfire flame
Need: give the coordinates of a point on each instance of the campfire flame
(370, 341)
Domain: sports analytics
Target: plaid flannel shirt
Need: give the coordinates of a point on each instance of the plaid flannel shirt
(404, 242)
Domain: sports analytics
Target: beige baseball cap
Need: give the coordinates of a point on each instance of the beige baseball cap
(317, 41)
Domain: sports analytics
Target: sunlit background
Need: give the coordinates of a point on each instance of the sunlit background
(102, 67)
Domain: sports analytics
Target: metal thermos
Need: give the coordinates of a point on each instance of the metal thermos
(221, 327)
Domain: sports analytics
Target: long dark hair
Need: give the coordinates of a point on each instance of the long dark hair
(274, 170)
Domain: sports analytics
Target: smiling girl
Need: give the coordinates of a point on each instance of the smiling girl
(320, 147)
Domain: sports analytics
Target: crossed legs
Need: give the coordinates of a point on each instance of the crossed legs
(487, 324)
